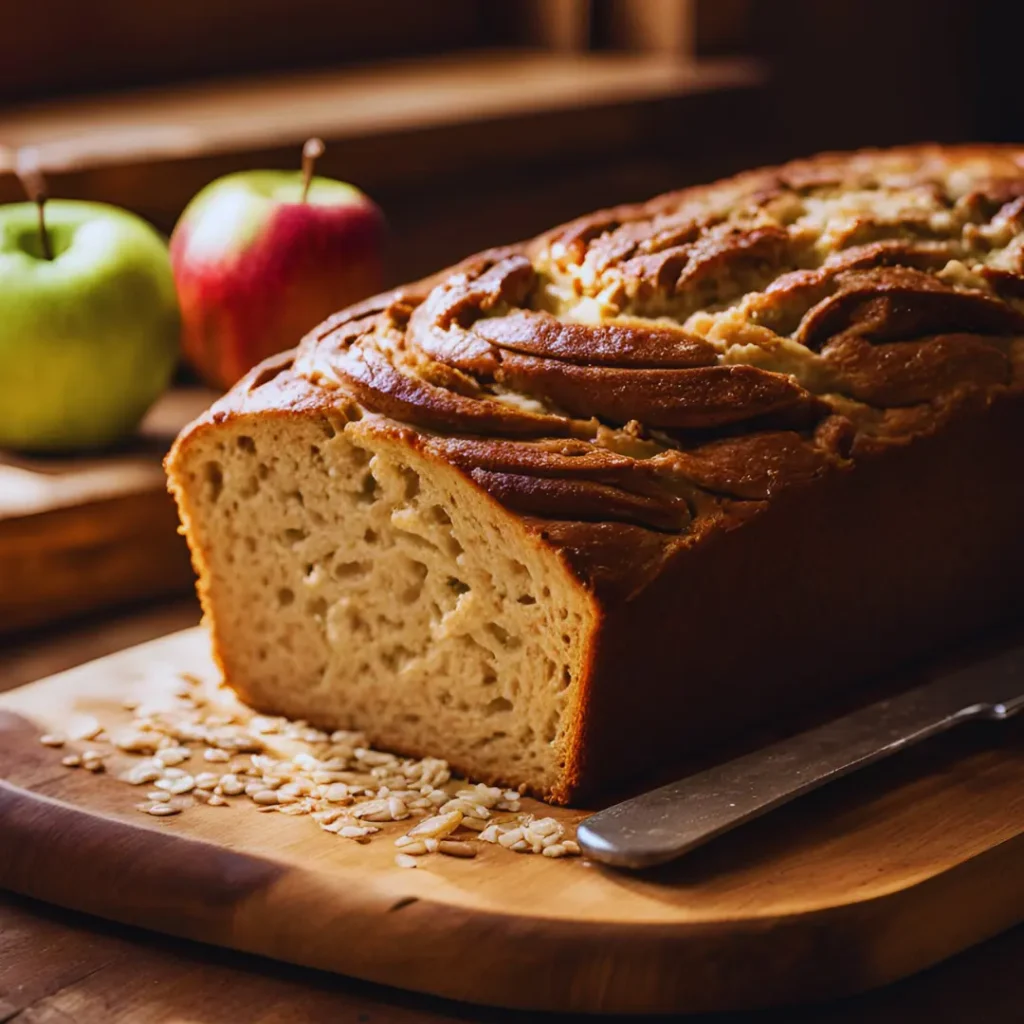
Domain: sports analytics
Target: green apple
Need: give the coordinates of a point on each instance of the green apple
(89, 337)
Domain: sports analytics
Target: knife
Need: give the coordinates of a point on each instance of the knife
(665, 823)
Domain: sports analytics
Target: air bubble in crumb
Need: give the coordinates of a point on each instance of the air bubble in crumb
(213, 476)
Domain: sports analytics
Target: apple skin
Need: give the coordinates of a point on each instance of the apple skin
(257, 267)
(89, 339)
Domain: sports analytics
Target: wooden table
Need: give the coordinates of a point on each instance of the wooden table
(58, 967)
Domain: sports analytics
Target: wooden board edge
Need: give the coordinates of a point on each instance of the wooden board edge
(196, 890)
(127, 546)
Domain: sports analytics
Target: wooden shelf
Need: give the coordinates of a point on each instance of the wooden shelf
(82, 533)
(270, 116)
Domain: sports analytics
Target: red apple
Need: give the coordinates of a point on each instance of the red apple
(261, 257)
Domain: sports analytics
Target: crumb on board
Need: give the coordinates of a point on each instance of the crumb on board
(289, 767)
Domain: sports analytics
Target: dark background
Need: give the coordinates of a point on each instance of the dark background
(775, 79)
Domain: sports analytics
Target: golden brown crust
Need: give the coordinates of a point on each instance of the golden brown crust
(647, 374)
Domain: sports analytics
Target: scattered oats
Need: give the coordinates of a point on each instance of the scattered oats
(231, 785)
(355, 739)
(236, 740)
(291, 767)
(466, 807)
(375, 758)
(137, 741)
(86, 728)
(176, 786)
(326, 778)
(161, 810)
(456, 848)
(356, 831)
(296, 807)
(487, 796)
(372, 810)
(184, 732)
(305, 762)
(329, 815)
(403, 860)
(130, 705)
(430, 771)
(417, 848)
(510, 838)
(438, 826)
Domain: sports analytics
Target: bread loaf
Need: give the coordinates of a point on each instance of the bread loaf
(575, 507)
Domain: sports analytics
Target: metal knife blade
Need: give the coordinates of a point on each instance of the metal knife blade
(665, 823)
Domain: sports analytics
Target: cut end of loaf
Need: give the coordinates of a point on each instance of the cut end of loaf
(353, 581)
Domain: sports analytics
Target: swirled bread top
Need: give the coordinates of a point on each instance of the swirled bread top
(639, 373)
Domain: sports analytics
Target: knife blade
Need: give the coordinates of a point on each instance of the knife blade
(665, 823)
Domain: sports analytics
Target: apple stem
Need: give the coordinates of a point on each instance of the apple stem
(44, 237)
(311, 151)
(32, 181)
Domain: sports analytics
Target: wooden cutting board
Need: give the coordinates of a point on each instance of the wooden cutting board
(871, 879)
(82, 533)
